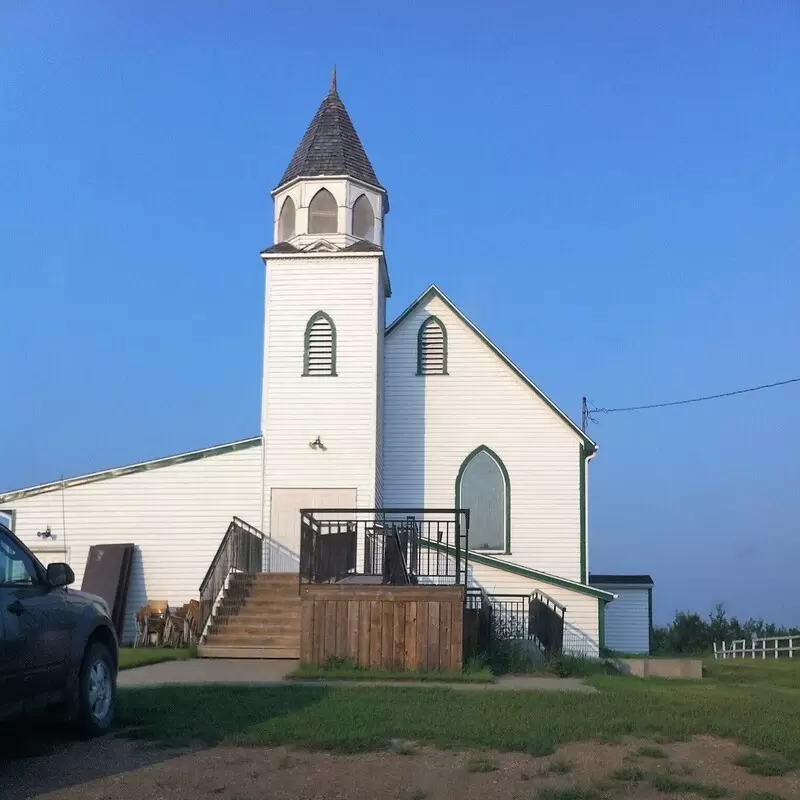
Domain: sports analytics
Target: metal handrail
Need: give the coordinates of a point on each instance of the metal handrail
(241, 549)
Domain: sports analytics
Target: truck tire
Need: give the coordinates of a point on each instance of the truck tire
(97, 691)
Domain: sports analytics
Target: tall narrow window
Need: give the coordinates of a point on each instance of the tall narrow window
(286, 221)
(432, 348)
(323, 213)
(363, 219)
(483, 487)
(319, 356)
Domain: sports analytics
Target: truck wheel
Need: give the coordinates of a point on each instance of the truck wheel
(97, 689)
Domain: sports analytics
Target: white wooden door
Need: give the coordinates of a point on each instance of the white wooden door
(286, 505)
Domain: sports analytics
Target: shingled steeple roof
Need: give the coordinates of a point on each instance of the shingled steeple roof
(331, 145)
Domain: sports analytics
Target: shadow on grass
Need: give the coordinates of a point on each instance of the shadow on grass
(208, 715)
(39, 755)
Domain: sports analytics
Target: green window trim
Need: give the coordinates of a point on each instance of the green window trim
(431, 320)
(582, 502)
(506, 480)
(307, 341)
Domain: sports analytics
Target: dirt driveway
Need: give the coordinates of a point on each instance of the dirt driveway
(406, 772)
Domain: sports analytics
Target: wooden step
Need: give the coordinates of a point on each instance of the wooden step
(287, 579)
(261, 589)
(239, 640)
(213, 651)
(268, 604)
(235, 625)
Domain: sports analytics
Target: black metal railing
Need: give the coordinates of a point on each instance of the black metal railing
(242, 550)
(498, 618)
(510, 616)
(395, 546)
(546, 622)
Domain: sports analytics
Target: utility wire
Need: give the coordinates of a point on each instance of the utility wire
(695, 399)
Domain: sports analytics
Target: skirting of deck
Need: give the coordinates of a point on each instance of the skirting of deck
(395, 627)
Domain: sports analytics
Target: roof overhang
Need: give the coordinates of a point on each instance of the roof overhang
(142, 466)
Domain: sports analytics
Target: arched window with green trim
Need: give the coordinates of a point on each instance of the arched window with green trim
(482, 486)
(432, 347)
(319, 352)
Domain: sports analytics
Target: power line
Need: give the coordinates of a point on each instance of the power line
(589, 411)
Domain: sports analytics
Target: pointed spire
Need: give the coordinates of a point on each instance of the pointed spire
(331, 145)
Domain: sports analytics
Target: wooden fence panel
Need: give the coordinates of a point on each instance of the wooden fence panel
(403, 627)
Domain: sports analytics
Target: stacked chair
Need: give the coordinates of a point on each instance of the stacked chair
(156, 625)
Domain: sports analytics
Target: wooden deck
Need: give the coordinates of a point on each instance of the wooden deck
(401, 627)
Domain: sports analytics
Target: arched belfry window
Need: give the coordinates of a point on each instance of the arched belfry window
(323, 213)
(432, 348)
(363, 219)
(483, 487)
(286, 220)
(319, 352)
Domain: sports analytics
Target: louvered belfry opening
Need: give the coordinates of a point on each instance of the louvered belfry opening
(432, 348)
(320, 346)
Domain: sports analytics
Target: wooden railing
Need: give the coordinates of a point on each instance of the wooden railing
(766, 647)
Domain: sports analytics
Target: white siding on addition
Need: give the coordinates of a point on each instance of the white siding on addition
(581, 620)
(175, 513)
(628, 620)
(340, 410)
(432, 423)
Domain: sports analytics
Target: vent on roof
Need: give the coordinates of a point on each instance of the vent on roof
(319, 356)
(432, 348)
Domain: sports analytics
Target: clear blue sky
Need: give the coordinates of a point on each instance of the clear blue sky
(611, 191)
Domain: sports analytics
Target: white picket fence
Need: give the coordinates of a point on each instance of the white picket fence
(769, 647)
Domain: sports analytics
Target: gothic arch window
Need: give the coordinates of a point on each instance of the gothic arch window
(432, 348)
(363, 219)
(483, 487)
(323, 213)
(319, 351)
(286, 220)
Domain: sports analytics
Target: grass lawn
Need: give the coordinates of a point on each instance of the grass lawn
(775, 672)
(355, 719)
(130, 657)
(352, 672)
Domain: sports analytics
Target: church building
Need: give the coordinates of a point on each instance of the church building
(357, 412)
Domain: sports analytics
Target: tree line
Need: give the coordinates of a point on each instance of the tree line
(691, 633)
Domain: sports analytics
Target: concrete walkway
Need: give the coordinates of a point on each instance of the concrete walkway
(273, 672)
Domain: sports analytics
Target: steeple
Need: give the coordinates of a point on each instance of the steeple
(331, 146)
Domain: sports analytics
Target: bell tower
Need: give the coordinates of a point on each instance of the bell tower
(326, 290)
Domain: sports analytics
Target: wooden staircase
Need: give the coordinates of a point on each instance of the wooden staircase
(258, 617)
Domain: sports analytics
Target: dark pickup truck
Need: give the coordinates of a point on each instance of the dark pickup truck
(58, 647)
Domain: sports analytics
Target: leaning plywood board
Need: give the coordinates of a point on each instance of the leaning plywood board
(107, 574)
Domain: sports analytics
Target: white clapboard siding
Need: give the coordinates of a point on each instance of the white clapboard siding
(340, 410)
(432, 423)
(176, 515)
(581, 619)
(628, 620)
